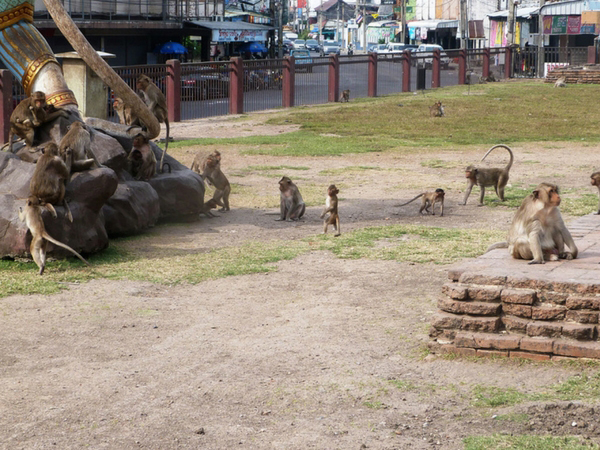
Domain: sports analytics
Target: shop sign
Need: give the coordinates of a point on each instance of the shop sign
(574, 25)
(238, 35)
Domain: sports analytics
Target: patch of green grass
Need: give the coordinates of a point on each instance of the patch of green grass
(255, 169)
(578, 387)
(492, 396)
(579, 206)
(513, 196)
(403, 385)
(375, 405)
(348, 170)
(513, 417)
(440, 164)
(526, 442)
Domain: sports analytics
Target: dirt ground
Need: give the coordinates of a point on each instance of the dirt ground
(324, 353)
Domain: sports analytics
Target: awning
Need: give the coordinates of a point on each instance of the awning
(522, 13)
(573, 8)
(448, 24)
(428, 24)
(234, 31)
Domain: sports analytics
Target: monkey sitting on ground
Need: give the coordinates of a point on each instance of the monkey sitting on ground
(345, 96)
(483, 178)
(429, 199)
(537, 231)
(291, 205)
(561, 82)
(436, 110)
(49, 179)
(157, 102)
(596, 182)
(211, 204)
(32, 216)
(125, 113)
(331, 208)
(30, 114)
(76, 148)
(142, 162)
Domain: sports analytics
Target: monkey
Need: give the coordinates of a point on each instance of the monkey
(429, 199)
(30, 114)
(142, 162)
(560, 82)
(345, 96)
(32, 216)
(596, 182)
(436, 110)
(537, 230)
(292, 206)
(331, 207)
(156, 101)
(209, 167)
(483, 178)
(76, 146)
(125, 113)
(204, 164)
(49, 179)
(211, 204)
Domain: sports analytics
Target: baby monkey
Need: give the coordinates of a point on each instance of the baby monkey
(331, 207)
(429, 199)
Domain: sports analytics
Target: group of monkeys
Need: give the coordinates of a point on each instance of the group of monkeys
(56, 163)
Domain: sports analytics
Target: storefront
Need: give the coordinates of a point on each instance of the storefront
(441, 32)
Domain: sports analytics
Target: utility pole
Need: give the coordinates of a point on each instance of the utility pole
(464, 24)
(320, 19)
(403, 20)
(364, 24)
(540, 53)
(337, 23)
(510, 37)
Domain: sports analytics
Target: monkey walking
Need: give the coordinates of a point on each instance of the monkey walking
(331, 208)
(32, 216)
(537, 231)
(345, 96)
(437, 110)
(429, 199)
(483, 178)
(157, 103)
(596, 182)
(291, 204)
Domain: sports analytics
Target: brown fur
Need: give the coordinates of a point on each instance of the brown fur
(209, 166)
(142, 161)
(345, 96)
(76, 148)
(429, 199)
(331, 208)
(125, 113)
(595, 180)
(291, 205)
(436, 110)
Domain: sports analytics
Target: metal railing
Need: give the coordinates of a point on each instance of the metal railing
(311, 82)
(204, 89)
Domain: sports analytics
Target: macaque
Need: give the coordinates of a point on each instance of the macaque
(429, 199)
(483, 178)
(596, 182)
(345, 96)
(209, 167)
(125, 113)
(292, 206)
(30, 114)
(32, 216)
(142, 162)
(436, 110)
(156, 101)
(331, 208)
(211, 204)
(76, 148)
(49, 179)
(204, 164)
(537, 231)
(561, 82)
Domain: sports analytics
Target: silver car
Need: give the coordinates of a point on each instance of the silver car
(330, 47)
(427, 51)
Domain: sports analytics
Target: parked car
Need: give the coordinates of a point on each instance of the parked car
(312, 45)
(299, 44)
(288, 45)
(380, 48)
(330, 47)
(427, 51)
(204, 86)
(303, 60)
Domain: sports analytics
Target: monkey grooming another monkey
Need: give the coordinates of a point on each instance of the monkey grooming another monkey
(483, 178)
(436, 110)
(345, 96)
(331, 208)
(125, 113)
(156, 101)
(429, 199)
(32, 216)
(537, 231)
(142, 162)
(76, 146)
(30, 114)
(291, 205)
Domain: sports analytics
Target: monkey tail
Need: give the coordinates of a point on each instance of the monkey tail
(510, 162)
(162, 158)
(497, 245)
(60, 244)
(410, 201)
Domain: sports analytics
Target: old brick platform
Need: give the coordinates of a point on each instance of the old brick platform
(496, 305)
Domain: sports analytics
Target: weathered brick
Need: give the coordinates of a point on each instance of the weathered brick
(574, 302)
(517, 310)
(562, 358)
(446, 321)
(465, 340)
(485, 294)
(497, 341)
(577, 349)
(549, 329)
(454, 275)
(564, 287)
(442, 336)
(519, 296)
(552, 297)
(515, 324)
(474, 278)
(483, 324)
(492, 353)
(532, 356)
(540, 345)
(455, 291)
(582, 316)
(548, 312)
(578, 331)
(465, 351)
(476, 308)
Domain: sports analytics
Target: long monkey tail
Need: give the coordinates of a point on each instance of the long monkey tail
(410, 201)
(162, 158)
(60, 244)
(510, 162)
(97, 64)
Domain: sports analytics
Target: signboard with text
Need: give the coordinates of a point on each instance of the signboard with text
(562, 25)
(238, 35)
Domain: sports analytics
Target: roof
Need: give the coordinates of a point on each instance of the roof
(214, 25)
(522, 13)
(572, 8)
(326, 6)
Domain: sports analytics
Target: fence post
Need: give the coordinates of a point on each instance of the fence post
(435, 69)
(6, 99)
(508, 62)
(462, 66)
(591, 54)
(406, 71)
(372, 75)
(289, 81)
(334, 79)
(485, 70)
(236, 86)
(174, 90)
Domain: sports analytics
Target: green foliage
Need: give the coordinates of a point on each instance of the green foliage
(440, 164)
(525, 442)
(492, 396)
(403, 385)
(348, 170)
